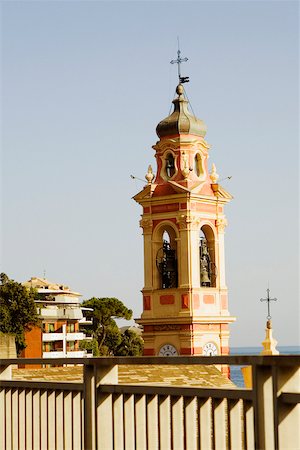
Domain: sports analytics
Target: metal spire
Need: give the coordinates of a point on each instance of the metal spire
(178, 61)
(268, 300)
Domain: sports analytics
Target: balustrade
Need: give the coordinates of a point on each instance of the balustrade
(100, 414)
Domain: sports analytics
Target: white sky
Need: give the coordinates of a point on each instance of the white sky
(84, 85)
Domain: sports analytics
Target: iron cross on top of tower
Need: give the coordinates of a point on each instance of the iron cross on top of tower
(268, 300)
(178, 61)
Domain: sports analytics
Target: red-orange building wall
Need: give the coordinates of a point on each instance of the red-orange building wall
(33, 339)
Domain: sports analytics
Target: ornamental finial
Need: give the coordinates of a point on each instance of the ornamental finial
(213, 174)
(149, 175)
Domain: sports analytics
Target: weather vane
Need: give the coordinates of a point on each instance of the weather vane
(268, 300)
(178, 61)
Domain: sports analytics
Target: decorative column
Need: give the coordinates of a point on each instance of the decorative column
(147, 226)
(221, 225)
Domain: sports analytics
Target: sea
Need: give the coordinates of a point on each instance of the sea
(235, 371)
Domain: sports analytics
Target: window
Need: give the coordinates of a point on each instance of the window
(71, 346)
(51, 327)
(71, 327)
(170, 165)
(51, 346)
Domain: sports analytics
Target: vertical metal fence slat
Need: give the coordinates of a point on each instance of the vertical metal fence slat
(177, 423)
(68, 429)
(165, 423)
(140, 422)
(190, 423)
(220, 424)
(44, 420)
(29, 419)
(22, 420)
(8, 425)
(2, 417)
(36, 419)
(118, 421)
(15, 419)
(82, 419)
(249, 426)
(51, 420)
(129, 422)
(205, 419)
(76, 408)
(236, 425)
(59, 431)
(104, 421)
(152, 422)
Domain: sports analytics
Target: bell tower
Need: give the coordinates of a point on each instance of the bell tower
(185, 302)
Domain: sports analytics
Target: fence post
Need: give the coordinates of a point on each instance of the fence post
(263, 402)
(288, 381)
(6, 372)
(105, 419)
(89, 382)
(98, 412)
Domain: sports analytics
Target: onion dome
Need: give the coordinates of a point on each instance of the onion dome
(181, 121)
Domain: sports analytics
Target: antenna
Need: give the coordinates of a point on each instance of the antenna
(136, 178)
(178, 61)
(226, 178)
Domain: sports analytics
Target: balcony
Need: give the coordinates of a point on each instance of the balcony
(61, 313)
(60, 354)
(101, 414)
(54, 354)
(76, 354)
(51, 337)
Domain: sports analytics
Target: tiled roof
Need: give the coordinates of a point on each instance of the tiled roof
(169, 375)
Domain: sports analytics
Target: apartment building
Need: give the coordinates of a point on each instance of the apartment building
(62, 321)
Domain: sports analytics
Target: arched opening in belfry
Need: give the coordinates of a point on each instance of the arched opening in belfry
(170, 165)
(166, 259)
(207, 258)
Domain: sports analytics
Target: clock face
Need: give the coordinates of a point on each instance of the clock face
(168, 350)
(210, 349)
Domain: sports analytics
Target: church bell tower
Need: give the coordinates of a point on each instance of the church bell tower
(185, 301)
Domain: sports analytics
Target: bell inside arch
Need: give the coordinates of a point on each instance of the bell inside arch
(205, 263)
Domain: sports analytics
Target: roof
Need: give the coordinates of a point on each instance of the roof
(181, 121)
(168, 375)
(42, 285)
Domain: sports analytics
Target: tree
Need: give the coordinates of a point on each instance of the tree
(131, 345)
(18, 311)
(105, 332)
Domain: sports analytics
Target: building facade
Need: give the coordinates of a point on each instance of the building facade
(61, 316)
(185, 299)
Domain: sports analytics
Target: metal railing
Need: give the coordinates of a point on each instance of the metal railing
(100, 414)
